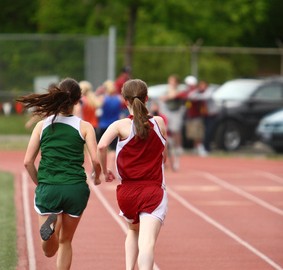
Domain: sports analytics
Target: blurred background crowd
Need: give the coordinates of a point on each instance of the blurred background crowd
(213, 69)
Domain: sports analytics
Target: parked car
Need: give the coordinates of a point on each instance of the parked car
(159, 90)
(241, 104)
(270, 130)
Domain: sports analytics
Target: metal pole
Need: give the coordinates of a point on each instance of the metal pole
(111, 67)
(194, 62)
(194, 57)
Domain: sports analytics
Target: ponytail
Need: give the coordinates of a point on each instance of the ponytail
(140, 118)
(57, 100)
(135, 91)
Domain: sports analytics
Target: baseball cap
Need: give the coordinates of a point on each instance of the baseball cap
(191, 80)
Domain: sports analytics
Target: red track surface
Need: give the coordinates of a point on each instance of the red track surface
(224, 213)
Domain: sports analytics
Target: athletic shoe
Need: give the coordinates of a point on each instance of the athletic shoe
(47, 228)
(179, 151)
(201, 151)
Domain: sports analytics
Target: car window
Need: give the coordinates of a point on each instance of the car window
(236, 90)
(156, 91)
(269, 92)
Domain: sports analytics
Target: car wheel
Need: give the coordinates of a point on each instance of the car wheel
(229, 136)
(278, 149)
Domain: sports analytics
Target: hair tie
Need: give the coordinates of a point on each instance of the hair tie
(136, 97)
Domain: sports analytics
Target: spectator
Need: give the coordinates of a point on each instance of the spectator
(86, 108)
(122, 78)
(209, 111)
(111, 107)
(173, 158)
(19, 108)
(173, 108)
(194, 117)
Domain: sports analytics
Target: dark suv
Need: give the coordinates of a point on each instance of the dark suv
(241, 104)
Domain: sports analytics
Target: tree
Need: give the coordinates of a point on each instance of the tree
(18, 16)
(149, 23)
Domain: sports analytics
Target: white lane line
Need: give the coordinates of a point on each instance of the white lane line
(271, 176)
(223, 229)
(109, 208)
(28, 224)
(241, 192)
(113, 213)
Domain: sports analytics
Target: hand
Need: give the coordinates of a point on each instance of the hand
(109, 176)
(163, 98)
(96, 179)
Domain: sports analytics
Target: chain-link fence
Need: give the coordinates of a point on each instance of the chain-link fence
(28, 61)
(213, 64)
(24, 58)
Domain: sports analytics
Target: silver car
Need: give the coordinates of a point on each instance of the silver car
(270, 130)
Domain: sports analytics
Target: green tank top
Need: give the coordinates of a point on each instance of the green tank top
(62, 151)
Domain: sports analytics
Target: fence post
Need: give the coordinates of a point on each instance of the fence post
(194, 57)
(111, 53)
(280, 45)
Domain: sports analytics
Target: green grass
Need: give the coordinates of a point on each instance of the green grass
(8, 234)
(13, 142)
(13, 134)
(11, 146)
(13, 124)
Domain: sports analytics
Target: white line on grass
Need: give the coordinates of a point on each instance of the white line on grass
(113, 213)
(223, 229)
(28, 226)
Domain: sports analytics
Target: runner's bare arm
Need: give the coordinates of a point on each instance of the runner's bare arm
(163, 130)
(32, 152)
(91, 144)
(109, 135)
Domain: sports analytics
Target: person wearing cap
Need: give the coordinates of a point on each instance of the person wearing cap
(194, 116)
(209, 110)
(173, 107)
(191, 81)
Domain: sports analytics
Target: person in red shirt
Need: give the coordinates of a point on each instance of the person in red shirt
(140, 157)
(194, 117)
(124, 76)
(86, 108)
(173, 157)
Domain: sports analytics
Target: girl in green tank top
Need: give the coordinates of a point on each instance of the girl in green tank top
(62, 192)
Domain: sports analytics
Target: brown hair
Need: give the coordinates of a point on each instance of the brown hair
(86, 87)
(58, 99)
(135, 91)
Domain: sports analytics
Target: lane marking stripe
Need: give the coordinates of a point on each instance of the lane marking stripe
(113, 213)
(271, 176)
(28, 223)
(223, 229)
(241, 192)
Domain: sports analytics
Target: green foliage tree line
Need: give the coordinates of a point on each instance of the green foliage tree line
(148, 23)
